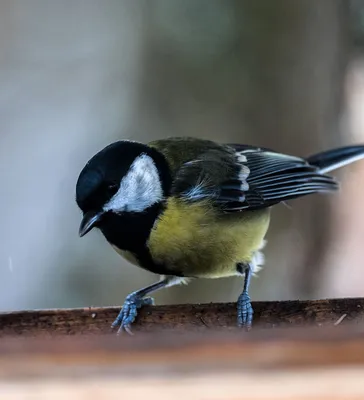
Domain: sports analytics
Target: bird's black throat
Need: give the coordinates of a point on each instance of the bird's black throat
(130, 231)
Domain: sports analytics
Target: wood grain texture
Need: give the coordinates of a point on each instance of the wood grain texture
(186, 351)
(295, 364)
(183, 318)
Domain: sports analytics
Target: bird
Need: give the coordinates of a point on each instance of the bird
(186, 208)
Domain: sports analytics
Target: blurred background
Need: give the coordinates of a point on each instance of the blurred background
(76, 75)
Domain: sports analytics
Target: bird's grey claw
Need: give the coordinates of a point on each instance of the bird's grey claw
(129, 312)
(245, 311)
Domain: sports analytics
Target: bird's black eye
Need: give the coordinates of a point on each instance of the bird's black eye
(112, 189)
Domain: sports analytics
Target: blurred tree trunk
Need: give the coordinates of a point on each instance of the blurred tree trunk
(266, 73)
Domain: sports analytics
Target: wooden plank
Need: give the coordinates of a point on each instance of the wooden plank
(182, 351)
(264, 349)
(297, 364)
(298, 385)
(200, 317)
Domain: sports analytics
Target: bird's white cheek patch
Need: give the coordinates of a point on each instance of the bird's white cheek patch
(139, 189)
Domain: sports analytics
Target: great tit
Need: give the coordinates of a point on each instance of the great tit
(191, 208)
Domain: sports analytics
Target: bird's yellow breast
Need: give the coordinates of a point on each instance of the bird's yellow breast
(196, 240)
(129, 256)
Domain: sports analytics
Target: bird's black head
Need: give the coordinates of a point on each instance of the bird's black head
(124, 178)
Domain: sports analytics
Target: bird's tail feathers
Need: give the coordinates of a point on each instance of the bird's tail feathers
(333, 159)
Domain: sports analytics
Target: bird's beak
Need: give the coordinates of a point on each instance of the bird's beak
(88, 222)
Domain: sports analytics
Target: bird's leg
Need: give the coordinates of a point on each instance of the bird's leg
(245, 309)
(136, 300)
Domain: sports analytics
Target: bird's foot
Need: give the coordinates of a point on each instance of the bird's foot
(245, 311)
(129, 312)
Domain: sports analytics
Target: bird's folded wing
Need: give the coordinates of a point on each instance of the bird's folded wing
(248, 178)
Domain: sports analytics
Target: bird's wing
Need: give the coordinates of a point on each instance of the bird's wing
(236, 178)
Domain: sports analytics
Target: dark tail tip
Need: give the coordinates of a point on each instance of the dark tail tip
(332, 159)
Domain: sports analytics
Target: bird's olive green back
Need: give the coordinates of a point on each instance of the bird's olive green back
(197, 164)
(179, 150)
